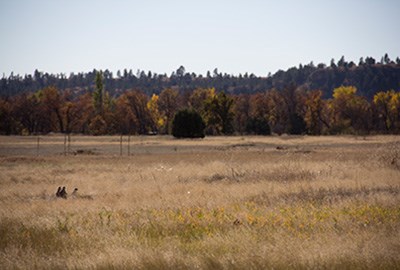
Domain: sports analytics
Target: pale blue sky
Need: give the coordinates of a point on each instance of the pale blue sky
(234, 36)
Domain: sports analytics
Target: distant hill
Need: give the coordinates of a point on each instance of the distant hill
(368, 76)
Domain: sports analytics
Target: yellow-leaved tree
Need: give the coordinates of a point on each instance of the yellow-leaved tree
(351, 113)
(387, 106)
(158, 119)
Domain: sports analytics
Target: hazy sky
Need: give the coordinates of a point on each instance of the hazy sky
(234, 36)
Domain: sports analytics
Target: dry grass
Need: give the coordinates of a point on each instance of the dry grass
(218, 203)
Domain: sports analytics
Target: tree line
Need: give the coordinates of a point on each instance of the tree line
(368, 76)
(292, 110)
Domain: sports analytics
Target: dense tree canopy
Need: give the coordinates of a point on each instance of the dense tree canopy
(368, 77)
(341, 98)
(293, 111)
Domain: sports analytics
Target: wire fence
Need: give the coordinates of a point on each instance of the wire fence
(69, 144)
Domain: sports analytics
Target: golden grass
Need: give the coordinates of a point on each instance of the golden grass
(218, 203)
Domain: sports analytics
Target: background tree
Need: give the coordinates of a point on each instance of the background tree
(297, 124)
(27, 114)
(258, 126)
(241, 111)
(133, 105)
(197, 99)
(98, 93)
(243, 104)
(109, 108)
(342, 62)
(180, 72)
(219, 114)
(157, 120)
(258, 121)
(52, 101)
(313, 105)
(292, 101)
(387, 105)
(104, 104)
(80, 113)
(125, 118)
(7, 121)
(278, 115)
(259, 105)
(349, 111)
(98, 125)
(367, 77)
(168, 104)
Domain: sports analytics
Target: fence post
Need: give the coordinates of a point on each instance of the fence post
(38, 145)
(69, 143)
(129, 145)
(65, 144)
(120, 145)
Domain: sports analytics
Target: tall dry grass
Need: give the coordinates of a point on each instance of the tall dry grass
(218, 203)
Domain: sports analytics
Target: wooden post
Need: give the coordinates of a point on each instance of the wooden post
(129, 145)
(38, 145)
(69, 143)
(120, 145)
(65, 144)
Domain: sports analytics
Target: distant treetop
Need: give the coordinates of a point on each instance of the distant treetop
(368, 75)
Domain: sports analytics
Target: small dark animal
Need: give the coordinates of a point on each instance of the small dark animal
(63, 193)
(237, 222)
(58, 193)
(75, 192)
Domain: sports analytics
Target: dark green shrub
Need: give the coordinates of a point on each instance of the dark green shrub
(188, 124)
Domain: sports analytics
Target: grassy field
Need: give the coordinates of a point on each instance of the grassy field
(218, 203)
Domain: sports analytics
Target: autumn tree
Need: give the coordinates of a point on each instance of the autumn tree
(125, 119)
(7, 121)
(351, 113)
(98, 125)
(52, 102)
(157, 119)
(292, 101)
(133, 112)
(313, 107)
(219, 114)
(197, 99)
(242, 111)
(26, 111)
(78, 113)
(277, 112)
(258, 121)
(259, 105)
(168, 103)
(387, 105)
(286, 109)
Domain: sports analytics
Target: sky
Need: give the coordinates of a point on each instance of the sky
(254, 36)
